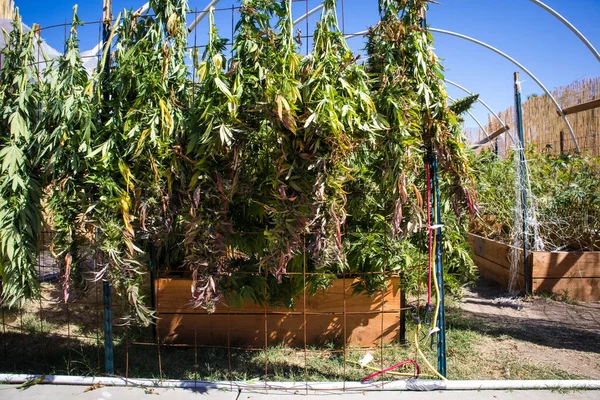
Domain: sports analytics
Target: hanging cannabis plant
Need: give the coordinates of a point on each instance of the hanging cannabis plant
(387, 197)
(212, 144)
(409, 91)
(20, 216)
(339, 116)
(69, 123)
(133, 166)
(260, 166)
(267, 57)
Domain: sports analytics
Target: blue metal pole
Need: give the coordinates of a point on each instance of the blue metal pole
(431, 158)
(523, 183)
(439, 272)
(106, 288)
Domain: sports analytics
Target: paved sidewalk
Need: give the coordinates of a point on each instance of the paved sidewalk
(54, 392)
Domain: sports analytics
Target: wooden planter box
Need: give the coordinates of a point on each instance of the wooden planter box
(573, 275)
(366, 320)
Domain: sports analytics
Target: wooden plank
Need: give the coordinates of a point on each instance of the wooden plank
(566, 264)
(496, 272)
(582, 289)
(493, 135)
(174, 296)
(494, 251)
(581, 107)
(249, 330)
(341, 292)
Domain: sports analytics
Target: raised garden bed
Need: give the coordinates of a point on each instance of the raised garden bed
(333, 315)
(572, 275)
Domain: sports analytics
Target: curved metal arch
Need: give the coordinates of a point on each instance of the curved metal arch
(203, 13)
(143, 9)
(509, 58)
(487, 135)
(351, 35)
(518, 64)
(201, 16)
(570, 26)
(146, 7)
(485, 105)
(308, 14)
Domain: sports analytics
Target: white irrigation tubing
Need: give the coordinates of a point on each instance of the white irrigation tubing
(570, 26)
(143, 9)
(410, 384)
(486, 106)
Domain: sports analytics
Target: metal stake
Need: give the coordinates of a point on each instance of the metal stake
(108, 334)
(523, 182)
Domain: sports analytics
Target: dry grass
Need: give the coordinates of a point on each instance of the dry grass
(35, 343)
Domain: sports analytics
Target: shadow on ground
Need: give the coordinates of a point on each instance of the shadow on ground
(487, 309)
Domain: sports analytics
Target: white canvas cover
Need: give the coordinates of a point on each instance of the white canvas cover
(89, 57)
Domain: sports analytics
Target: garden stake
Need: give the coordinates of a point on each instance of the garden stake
(153, 289)
(106, 288)
(523, 183)
(433, 189)
(441, 322)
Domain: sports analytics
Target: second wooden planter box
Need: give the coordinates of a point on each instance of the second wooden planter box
(575, 276)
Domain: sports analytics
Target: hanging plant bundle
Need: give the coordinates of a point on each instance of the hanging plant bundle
(20, 194)
(339, 117)
(69, 124)
(213, 147)
(268, 57)
(134, 165)
(409, 91)
(240, 215)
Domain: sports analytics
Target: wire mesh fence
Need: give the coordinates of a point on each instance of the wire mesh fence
(304, 342)
(322, 337)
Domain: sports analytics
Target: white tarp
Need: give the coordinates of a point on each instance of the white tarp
(89, 57)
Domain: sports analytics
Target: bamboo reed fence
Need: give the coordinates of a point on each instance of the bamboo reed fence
(546, 130)
(7, 9)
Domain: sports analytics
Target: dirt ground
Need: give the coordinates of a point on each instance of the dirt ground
(536, 330)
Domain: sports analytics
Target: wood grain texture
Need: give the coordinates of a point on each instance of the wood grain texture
(494, 251)
(581, 289)
(497, 273)
(173, 295)
(368, 320)
(576, 275)
(589, 105)
(566, 264)
(249, 330)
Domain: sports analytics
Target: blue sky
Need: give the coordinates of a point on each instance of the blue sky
(518, 27)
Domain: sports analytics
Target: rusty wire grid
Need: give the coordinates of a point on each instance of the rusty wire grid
(63, 338)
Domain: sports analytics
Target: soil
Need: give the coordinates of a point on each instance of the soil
(536, 330)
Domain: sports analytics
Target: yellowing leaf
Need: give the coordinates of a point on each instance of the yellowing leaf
(223, 88)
